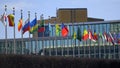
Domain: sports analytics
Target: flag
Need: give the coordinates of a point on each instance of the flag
(105, 36)
(57, 28)
(41, 28)
(11, 20)
(118, 38)
(20, 24)
(74, 36)
(95, 36)
(49, 29)
(115, 37)
(33, 23)
(101, 36)
(26, 27)
(79, 34)
(33, 26)
(85, 35)
(110, 38)
(91, 36)
(118, 41)
(3, 19)
(64, 30)
(34, 29)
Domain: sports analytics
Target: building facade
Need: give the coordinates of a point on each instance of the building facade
(52, 45)
(69, 15)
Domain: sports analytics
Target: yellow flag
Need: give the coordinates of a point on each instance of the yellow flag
(57, 27)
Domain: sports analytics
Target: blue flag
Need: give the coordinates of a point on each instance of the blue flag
(33, 23)
(49, 27)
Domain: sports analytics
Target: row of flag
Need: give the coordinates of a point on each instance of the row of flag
(33, 26)
(28, 26)
(113, 38)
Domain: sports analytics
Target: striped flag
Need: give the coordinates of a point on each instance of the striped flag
(91, 36)
(111, 39)
(95, 36)
(105, 36)
(11, 20)
(26, 27)
(20, 24)
(41, 28)
(33, 26)
(85, 35)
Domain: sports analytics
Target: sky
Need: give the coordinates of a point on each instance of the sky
(106, 9)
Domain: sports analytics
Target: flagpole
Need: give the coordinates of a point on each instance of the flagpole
(99, 42)
(84, 47)
(41, 17)
(94, 44)
(49, 36)
(109, 55)
(29, 35)
(14, 47)
(36, 37)
(62, 47)
(88, 45)
(56, 40)
(6, 30)
(56, 45)
(117, 41)
(78, 43)
(67, 47)
(22, 33)
(72, 46)
(104, 41)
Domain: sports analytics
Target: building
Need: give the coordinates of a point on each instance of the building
(53, 45)
(72, 15)
(69, 15)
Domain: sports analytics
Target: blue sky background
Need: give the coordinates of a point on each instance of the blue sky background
(106, 9)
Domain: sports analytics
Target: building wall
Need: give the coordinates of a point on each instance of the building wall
(64, 16)
(81, 15)
(68, 15)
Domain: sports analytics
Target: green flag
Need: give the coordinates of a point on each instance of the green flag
(79, 36)
(74, 36)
